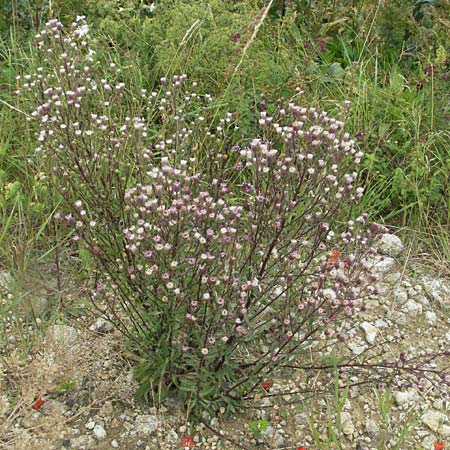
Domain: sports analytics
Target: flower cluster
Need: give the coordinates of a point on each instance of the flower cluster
(224, 255)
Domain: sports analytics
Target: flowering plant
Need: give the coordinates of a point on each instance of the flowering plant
(219, 257)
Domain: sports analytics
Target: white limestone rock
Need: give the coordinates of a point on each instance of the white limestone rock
(437, 289)
(101, 326)
(435, 420)
(390, 245)
(370, 332)
(146, 424)
(372, 426)
(90, 425)
(406, 397)
(380, 323)
(273, 437)
(348, 427)
(99, 432)
(413, 308)
(356, 348)
(382, 264)
(430, 317)
(400, 295)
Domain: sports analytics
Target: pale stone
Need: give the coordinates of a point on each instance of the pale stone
(399, 318)
(268, 432)
(423, 300)
(146, 424)
(438, 404)
(90, 425)
(430, 317)
(382, 264)
(380, 323)
(348, 428)
(405, 397)
(392, 277)
(370, 332)
(356, 348)
(273, 437)
(385, 290)
(214, 422)
(390, 245)
(400, 295)
(172, 437)
(422, 433)
(6, 280)
(412, 307)
(83, 441)
(372, 426)
(434, 420)
(445, 431)
(101, 326)
(428, 442)
(278, 440)
(439, 290)
(99, 432)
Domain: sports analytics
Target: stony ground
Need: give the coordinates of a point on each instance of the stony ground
(78, 368)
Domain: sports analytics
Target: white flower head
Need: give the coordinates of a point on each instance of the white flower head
(329, 294)
(83, 30)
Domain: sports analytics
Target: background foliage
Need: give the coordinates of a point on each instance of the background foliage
(389, 58)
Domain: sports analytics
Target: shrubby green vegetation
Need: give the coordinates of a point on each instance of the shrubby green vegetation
(389, 58)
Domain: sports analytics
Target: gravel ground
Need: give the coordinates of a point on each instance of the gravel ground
(79, 371)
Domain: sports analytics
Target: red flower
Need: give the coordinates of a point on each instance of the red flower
(301, 448)
(266, 384)
(37, 404)
(335, 255)
(439, 445)
(187, 442)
